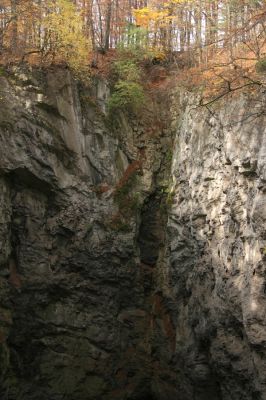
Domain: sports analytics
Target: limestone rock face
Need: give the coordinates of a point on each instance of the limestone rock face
(74, 319)
(123, 277)
(216, 248)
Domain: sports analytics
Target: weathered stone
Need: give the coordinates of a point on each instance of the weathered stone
(73, 305)
(216, 235)
(100, 296)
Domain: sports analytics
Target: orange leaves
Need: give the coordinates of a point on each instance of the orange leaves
(158, 15)
(145, 16)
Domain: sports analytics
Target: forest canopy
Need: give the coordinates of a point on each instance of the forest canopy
(190, 33)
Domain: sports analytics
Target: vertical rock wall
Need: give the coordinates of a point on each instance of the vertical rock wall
(74, 316)
(217, 247)
(100, 296)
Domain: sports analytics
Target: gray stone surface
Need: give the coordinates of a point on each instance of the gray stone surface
(73, 316)
(217, 233)
(118, 279)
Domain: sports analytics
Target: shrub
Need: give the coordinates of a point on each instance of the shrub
(261, 65)
(136, 45)
(128, 92)
(127, 70)
(2, 71)
(127, 95)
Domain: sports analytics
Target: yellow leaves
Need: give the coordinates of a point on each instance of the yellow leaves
(159, 55)
(67, 37)
(172, 3)
(144, 16)
(160, 16)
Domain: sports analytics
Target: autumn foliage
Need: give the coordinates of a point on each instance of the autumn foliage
(213, 38)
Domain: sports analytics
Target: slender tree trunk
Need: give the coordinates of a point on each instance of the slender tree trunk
(91, 24)
(100, 23)
(182, 31)
(14, 33)
(198, 21)
(229, 39)
(108, 25)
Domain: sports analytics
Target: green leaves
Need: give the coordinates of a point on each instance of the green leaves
(128, 92)
(127, 95)
(261, 65)
(127, 70)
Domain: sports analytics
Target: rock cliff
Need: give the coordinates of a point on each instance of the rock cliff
(216, 247)
(132, 260)
(77, 246)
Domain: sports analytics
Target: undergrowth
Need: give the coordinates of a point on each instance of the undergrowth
(127, 86)
(127, 198)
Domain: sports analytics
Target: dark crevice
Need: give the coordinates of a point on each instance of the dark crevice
(151, 231)
(22, 177)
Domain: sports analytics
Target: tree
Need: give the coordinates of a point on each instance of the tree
(66, 39)
(108, 24)
(197, 30)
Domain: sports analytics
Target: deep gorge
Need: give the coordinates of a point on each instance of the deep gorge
(132, 260)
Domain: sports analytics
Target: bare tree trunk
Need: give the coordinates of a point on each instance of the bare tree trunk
(198, 22)
(100, 23)
(108, 25)
(14, 33)
(228, 35)
(182, 31)
(90, 24)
